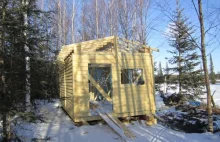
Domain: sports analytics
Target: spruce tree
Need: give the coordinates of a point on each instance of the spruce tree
(185, 59)
(167, 69)
(13, 53)
(160, 72)
(159, 78)
(212, 73)
(218, 75)
(155, 67)
(167, 74)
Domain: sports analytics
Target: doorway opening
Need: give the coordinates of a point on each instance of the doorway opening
(100, 85)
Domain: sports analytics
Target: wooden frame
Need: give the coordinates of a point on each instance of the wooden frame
(127, 99)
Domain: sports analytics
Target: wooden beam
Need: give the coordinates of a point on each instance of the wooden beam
(113, 122)
(154, 49)
(121, 125)
(99, 88)
(99, 65)
(97, 40)
(135, 43)
(136, 80)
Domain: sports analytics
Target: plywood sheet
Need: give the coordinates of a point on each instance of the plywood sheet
(126, 108)
(93, 56)
(129, 57)
(81, 110)
(130, 103)
(81, 91)
(136, 113)
(124, 98)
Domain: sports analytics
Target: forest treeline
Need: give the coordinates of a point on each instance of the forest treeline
(33, 31)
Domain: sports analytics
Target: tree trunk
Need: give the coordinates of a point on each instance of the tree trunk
(204, 60)
(59, 25)
(6, 127)
(64, 26)
(180, 74)
(25, 3)
(73, 20)
(3, 86)
(97, 18)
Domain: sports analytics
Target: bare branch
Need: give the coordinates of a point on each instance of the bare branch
(195, 8)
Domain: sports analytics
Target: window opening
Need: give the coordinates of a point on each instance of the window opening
(132, 76)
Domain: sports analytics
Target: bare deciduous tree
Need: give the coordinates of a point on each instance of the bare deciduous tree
(205, 68)
(25, 4)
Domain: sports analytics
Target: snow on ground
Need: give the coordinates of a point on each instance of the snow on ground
(159, 101)
(60, 128)
(159, 133)
(172, 88)
(216, 88)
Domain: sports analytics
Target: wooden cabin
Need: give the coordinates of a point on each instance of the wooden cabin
(114, 72)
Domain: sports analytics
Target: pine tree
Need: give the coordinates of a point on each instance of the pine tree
(212, 73)
(184, 53)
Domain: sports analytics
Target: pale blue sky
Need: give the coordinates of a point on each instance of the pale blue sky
(160, 13)
(157, 38)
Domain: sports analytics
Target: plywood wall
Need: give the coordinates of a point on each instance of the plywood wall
(80, 75)
(61, 82)
(66, 85)
(128, 99)
(132, 98)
